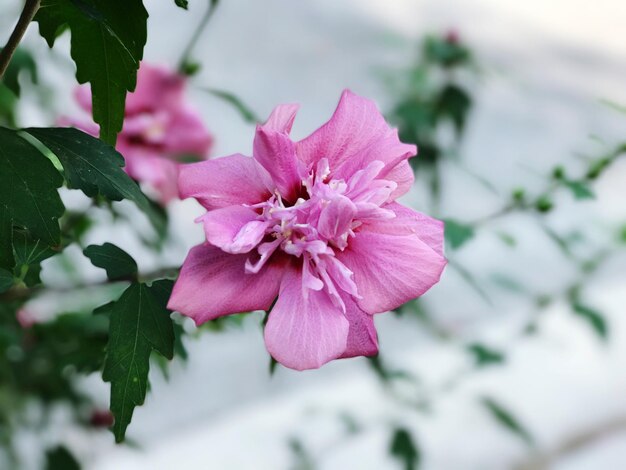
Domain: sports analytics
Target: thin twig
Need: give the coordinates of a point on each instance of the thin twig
(184, 58)
(28, 13)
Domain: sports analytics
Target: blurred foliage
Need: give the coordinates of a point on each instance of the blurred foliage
(403, 448)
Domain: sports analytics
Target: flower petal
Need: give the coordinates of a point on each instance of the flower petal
(390, 268)
(157, 87)
(276, 152)
(234, 229)
(362, 337)
(304, 330)
(213, 283)
(186, 134)
(355, 136)
(147, 166)
(225, 181)
(282, 118)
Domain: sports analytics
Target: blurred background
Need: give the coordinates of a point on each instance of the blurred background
(515, 360)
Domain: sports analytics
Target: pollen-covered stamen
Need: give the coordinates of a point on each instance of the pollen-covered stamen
(315, 226)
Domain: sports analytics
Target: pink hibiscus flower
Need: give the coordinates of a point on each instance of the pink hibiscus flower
(160, 129)
(314, 227)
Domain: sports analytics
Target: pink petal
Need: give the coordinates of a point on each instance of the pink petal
(213, 283)
(390, 269)
(304, 330)
(409, 221)
(282, 118)
(186, 134)
(355, 136)
(362, 337)
(149, 167)
(234, 229)
(225, 181)
(276, 152)
(336, 217)
(157, 87)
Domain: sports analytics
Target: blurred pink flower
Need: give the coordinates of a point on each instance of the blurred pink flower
(160, 129)
(313, 224)
(25, 318)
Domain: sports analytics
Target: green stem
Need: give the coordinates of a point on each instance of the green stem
(184, 59)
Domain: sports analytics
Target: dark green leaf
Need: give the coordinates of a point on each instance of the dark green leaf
(108, 37)
(60, 458)
(140, 322)
(506, 419)
(182, 3)
(404, 449)
(485, 356)
(595, 319)
(246, 113)
(94, 167)
(28, 192)
(580, 190)
(6, 237)
(118, 264)
(457, 233)
(6, 280)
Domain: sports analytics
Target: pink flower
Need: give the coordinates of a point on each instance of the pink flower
(160, 129)
(314, 226)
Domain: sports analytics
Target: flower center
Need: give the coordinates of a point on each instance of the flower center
(315, 227)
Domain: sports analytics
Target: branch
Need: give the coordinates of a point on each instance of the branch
(30, 8)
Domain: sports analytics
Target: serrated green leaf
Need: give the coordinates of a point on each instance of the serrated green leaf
(403, 448)
(108, 37)
(118, 264)
(28, 193)
(94, 167)
(507, 420)
(595, 319)
(140, 322)
(60, 458)
(580, 190)
(6, 280)
(457, 233)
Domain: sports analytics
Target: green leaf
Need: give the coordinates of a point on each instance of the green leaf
(140, 322)
(28, 192)
(580, 190)
(118, 264)
(108, 37)
(595, 319)
(457, 233)
(6, 280)
(6, 237)
(60, 458)
(182, 3)
(506, 419)
(94, 167)
(454, 103)
(404, 449)
(22, 61)
(246, 113)
(485, 356)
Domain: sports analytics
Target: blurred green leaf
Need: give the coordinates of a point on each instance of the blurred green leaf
(22, 61)
(485, 356)
(404, 449)
(507, 239)
(580, 190)
(108, 37)
(457, 233)
(246, 113)
(6, 280)
(140, 322)
(595, 319)
(28, 192)
(118, 264)
(94, 167)
(454, 103)
(444, 52)
(506, 419)
(182, 3)
(60, 458)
